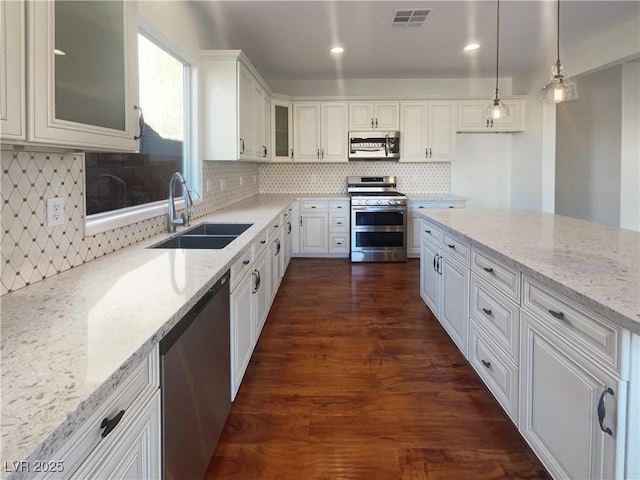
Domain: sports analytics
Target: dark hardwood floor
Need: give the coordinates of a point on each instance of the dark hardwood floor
(353, 378)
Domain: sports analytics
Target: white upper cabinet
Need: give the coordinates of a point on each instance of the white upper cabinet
(235, 108)
(428, 131)
(12, 75)
(320, 132)
(282, 130)
(82, 66)
(471, 117)
(374, 115)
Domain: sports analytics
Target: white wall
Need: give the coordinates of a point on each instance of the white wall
(630, 148)
(588, 140)
(533, 165)
(482, 169)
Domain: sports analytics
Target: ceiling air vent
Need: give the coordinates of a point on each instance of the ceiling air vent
(410, 18)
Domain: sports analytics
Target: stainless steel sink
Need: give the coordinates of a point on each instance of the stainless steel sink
(205, 236)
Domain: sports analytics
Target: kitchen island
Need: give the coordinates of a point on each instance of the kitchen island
(546, 309)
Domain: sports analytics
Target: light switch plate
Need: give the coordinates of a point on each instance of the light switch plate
(55, 212)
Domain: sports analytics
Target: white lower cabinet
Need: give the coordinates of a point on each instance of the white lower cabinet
(275, 254)
(415, 221)
(260, 293)
(135, 453)
(242, 330)
(121, 439)
(444, 286)
(569, 407)
(564, 374)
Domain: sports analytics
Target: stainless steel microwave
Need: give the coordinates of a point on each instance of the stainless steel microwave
(374, 145)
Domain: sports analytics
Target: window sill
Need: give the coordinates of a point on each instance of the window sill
(104, 222)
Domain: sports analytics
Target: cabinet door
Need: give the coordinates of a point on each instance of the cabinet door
(276, 271)
(334, 133)
(414, 133)
(560, 393)
(442, 131)
(12, 74)
(454, 311)
(313, 236)
(245, 107)
(387, 116)
(266, 126)
(261, 292)
(306, 145)
(361, 116)
(258, 123)
(414, 234)
(429, 277)
(242, 332)
(281, 130)
(287, 234)
(83, 95)
(514, 122)
(134, 454)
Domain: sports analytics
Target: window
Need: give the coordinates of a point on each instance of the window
(122, 188)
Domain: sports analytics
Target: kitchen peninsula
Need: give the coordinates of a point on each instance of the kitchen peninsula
(546, 309)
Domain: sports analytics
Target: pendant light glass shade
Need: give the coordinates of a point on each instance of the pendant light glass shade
(558, 89)
(497, 109)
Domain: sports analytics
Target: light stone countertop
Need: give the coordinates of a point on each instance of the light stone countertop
(68, 340)
(435, 197)
(596, 265)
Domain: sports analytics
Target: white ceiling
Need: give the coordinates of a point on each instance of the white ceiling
(290, 40)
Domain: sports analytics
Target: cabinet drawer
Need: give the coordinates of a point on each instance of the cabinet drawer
(497, 274)
(308, 206)
(241, 267)
(274, 225)
(259, 244)
(455, 249)
(133, 390)
(499, 317)
(591, 333)
(339, 244)
(338, 223)
(495, 369)
(339, 207)
(431, 233)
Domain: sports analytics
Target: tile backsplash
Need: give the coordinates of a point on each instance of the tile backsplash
(32, 251)
(432, 178)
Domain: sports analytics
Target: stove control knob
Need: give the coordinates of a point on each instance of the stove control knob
(380, 202)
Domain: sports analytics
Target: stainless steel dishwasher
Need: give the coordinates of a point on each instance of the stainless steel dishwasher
(196, 385)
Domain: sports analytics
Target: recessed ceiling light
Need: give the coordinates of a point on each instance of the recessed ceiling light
(471, 47)
(337, 50)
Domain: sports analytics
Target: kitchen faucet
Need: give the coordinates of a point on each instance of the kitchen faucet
(172, 221)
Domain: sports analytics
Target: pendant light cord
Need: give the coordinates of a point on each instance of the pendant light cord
(558, 39)
(498, 43)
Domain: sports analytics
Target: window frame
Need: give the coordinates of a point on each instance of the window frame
(192, 166)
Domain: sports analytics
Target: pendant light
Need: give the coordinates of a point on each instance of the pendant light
(497, 109)
(558, 89)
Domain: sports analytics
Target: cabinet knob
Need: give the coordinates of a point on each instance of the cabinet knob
(487, 311)
(450, 245)
(246, 262)
(486, 364)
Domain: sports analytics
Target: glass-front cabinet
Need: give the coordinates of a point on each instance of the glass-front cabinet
(12, 71)
(83, 74)
(282, 130)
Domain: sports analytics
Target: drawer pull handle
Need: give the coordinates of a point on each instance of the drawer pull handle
(487, 311)
(450, 245)
(488, 269)
(486, 364)
(427, 231)
(602, 411)
(558, 315)
(246, 262)
(276, 226)
(263, 241)
(109, 425)
(313, 206)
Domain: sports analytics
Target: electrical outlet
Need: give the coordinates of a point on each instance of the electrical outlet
(223, 184)
(254, 179)
(55, 212)
(241, 181)
(208, 184)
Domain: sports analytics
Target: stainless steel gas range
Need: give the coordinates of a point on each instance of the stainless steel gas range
(378, 220)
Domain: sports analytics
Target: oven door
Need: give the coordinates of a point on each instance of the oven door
(378, 234)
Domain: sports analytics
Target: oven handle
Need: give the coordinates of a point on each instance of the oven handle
(379, 208)
(386, 145)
